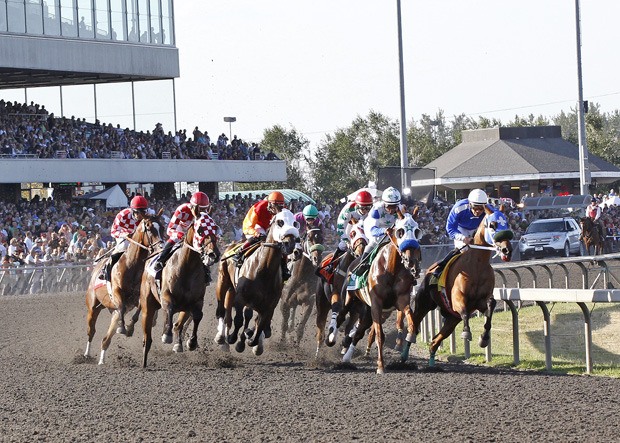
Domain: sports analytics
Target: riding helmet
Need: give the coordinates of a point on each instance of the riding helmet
(276, 197)
(139, 202)
(310, 211)
(391, 196)
(200, 199)
(363, 198)
(478, 197)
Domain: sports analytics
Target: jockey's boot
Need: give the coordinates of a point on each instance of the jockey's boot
(106, 273)
(286, 274)
(442, 264)
(362, 266)
(163, 257)
(239, 256)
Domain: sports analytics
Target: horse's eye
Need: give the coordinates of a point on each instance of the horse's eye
(400, 233)
(417, 234)
(280, 223)
(296, 224)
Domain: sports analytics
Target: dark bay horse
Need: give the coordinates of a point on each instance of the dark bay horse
(391, 278)
(300, 288)
(329, 290)
(256, 286)
(469, 282)
(125, 284)
(591, 236)
(183, 285)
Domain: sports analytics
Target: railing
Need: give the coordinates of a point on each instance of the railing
(46, 279)
(116, 154)
(19, 156)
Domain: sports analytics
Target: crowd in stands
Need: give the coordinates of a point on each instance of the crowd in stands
(38, 232)
(31, 131)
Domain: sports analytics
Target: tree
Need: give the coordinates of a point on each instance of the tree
(290, 146)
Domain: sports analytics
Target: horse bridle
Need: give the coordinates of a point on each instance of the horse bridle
(151, 246)
(309, 248)
(403, 259)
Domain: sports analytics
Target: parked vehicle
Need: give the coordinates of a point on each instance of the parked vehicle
(549, 237)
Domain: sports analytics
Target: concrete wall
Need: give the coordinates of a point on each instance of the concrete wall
(139, 171)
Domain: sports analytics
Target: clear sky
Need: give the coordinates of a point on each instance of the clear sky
(316, 65)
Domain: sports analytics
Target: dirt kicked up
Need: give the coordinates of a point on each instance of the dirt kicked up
(50, 392)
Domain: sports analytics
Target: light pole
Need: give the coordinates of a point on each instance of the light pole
(230, 121)
(404, 162)
(584, 164)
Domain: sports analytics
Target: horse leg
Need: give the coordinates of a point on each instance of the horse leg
(322, 308)
(132, 321)
(178, 331)
(301, 327)
(285, 309)
(121, 308)
(423, 304)
(445, 331)
(91, 321)
(486, 335)
(192, 342)
(291, 326)
(167, 308)
(105, 343)
(149, 309)
(336, 307)
(363, 324)
(380, 338)
(371, 339)
(400, 320)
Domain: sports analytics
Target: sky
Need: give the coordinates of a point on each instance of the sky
(317, 65)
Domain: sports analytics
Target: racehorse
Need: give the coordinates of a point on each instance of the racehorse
(469, 282)
(391, 278)
(257, 285)
(329, 289)
(590, 236)
(183, 285)
(299, 289)
(125, 284)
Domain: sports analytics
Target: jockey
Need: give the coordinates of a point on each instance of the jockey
(257, 222)
(378, 224)
(179, 224)
(463, 221)
(309, 216)
(205, 227)
(353, 212)
(594, 211)
(124, 225)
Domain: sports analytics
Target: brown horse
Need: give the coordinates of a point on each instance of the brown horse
(257, 285)
(391, 278)
(183, 285)
(591, 237)
(329, 289)
(299, 289)
(469, 282)
(125, 284)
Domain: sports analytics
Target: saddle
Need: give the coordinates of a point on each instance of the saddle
(441, 281)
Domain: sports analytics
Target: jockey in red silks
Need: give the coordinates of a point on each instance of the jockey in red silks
(257, 222)
(179, 224)
(594, 211)
(351, 213)
(124, 225)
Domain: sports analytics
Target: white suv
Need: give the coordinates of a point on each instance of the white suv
(553, 236)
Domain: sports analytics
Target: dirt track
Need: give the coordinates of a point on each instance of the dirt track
(51, 393)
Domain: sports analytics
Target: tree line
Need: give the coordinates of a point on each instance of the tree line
(350, 157)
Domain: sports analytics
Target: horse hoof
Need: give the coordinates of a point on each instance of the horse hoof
(258, 350)
(129, 332)
(380, 371)
(232, 339)
(177, 348)
(240, 346)
(483, 343)
(192, 344)
(121, 330)
(466, 335)
(398, 347)
(166, 339)
(219, 339)
(343, 351)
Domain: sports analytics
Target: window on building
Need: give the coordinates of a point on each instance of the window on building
(51, 17)
(34, 17)
(16, 16)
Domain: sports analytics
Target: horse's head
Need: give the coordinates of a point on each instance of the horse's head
(205, 239)
(496, 232)
(407, 233)
(285, 230)
(358, 241)
(148, 232)
(313, 245)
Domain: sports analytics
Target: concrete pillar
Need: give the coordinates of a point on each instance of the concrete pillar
(10, 192)
(210, 188)
(163, 190)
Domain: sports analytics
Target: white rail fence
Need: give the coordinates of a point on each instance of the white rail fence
(46, 279)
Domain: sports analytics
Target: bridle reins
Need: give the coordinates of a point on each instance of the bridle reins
(151, 246)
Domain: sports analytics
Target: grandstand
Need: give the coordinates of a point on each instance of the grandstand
(60, 44)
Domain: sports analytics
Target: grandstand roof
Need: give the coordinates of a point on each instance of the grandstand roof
(289, 194)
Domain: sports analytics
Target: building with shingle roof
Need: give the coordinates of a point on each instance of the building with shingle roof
(510, 162)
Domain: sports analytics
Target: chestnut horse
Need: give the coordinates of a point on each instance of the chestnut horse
(469, 282)
(590, 236)
(257, 285)
(329, 289)
(183, 285)
(299, 289)
(126, 277)
(391, 278)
